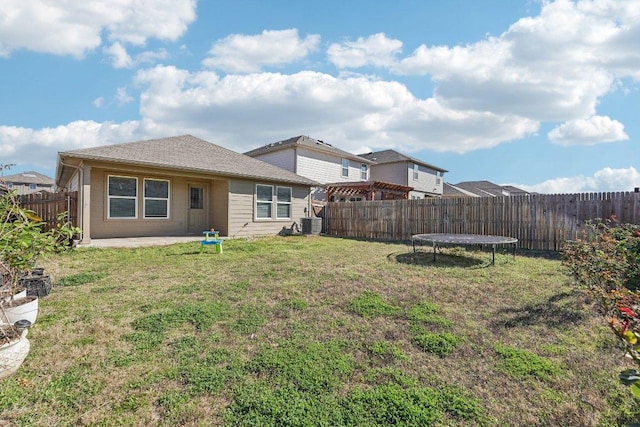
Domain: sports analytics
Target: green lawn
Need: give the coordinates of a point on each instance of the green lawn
(314, 331)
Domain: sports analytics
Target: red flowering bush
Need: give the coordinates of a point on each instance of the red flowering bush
(605, 260)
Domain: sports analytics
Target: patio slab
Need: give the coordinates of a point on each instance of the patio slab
(136, 242)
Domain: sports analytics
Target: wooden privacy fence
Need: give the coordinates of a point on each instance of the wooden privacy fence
(538, 221)
(48, 205)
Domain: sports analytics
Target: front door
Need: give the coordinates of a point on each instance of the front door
(197, 216)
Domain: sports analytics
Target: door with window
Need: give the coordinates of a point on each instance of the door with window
(198, 210)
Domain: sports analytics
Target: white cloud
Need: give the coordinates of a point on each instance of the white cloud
(123, 96)
(118, 55)
(352, 111)
(239, 53)
(551, 67)
(40, 147)
(591, 131)
(377, 50)
(98, 102)
(604, 180)
(76, 28)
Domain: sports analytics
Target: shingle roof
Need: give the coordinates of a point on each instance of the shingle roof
(30, 177)
(303, 141)
(452, 190)
(392, 156)
(488, 188)
(187, 152)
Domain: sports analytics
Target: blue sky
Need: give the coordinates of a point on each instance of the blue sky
(539, 94)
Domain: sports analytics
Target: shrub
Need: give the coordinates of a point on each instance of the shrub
(605, 260)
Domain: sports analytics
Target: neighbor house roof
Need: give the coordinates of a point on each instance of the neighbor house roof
(392, 156)
(488, 188)
(186, 153)
(30, 177)
(449, 190)
(307, 142)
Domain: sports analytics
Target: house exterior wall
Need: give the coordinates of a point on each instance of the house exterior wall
(325, 167)
(219, 205)
(23, 188)
(103, 227)
(402, 173)
(427, 182)
(395, 173)
(284, 159)
(242, 221)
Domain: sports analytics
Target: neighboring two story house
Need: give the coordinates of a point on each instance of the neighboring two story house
(390, 166)
(29, 182)
(345, 176)
(382, 175)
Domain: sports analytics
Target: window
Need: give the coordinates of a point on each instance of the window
(10, 185)
(363, 172)
(196, 198)
(264, 201)
(283, 200)
(438, 178)
(345, 167)
(122, 197)
(416, 169)
(33, 186)
(156, 198)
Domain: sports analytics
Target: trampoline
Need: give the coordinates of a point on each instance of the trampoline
(464, 240)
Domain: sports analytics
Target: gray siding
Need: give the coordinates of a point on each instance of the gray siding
(242, 220)
(284, 159)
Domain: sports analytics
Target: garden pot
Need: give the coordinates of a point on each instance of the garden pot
(21, 308)
(13, 353)
(20, 294)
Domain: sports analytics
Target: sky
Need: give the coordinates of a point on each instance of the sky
(543, 95)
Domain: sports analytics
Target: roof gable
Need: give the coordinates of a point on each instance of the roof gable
(306, 142)
(30, 177)
(392, 156)
(488, 188)
(186, 152)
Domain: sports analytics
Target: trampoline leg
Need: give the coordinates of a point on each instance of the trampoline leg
(493, 256)
(434, 252)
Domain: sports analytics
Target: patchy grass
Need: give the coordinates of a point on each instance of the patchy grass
(301, 331)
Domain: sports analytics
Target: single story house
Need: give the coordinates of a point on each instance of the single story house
(179, 186)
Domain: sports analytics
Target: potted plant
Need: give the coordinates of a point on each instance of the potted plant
(22, 241)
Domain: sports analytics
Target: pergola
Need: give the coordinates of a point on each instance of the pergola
(368, 190)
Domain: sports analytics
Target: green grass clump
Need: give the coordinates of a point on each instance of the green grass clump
(386, 350)
(387, 405)
(426, 312)
(523, 364)
(199, 315)
(313, 367)
(438, 343)
(370, 304)
(81, 278)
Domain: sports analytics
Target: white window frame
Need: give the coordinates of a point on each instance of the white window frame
(364, 172)
(145, 198)
(345, 169)
(110, 197)
(33, 186)
(263, 202)
(284, 203)
(416, 171)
